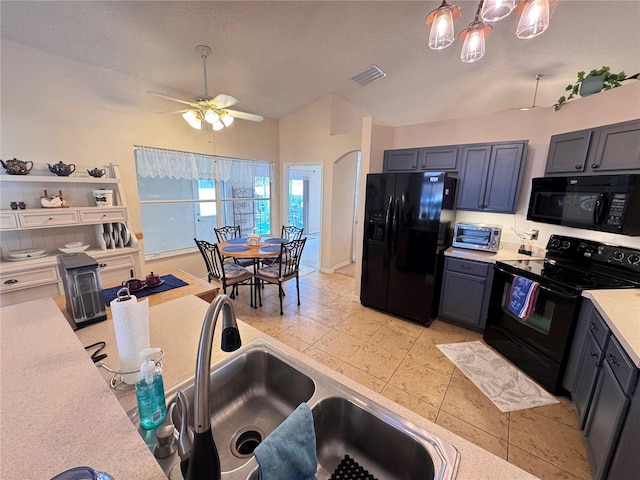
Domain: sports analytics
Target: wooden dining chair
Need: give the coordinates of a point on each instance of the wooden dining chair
(227, 274)
(291, 232)
(285, 269)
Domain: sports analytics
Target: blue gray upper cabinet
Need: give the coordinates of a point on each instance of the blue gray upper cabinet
(608, 149)
(404, 160)
(435, 159)
(491, 177)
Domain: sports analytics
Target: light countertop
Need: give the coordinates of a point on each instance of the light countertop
(57, 405)
(487, 257)
(620, 309)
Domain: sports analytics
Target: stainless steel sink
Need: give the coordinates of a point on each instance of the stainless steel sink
(255, 388)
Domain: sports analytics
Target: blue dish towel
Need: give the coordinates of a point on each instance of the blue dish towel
(169, 282)
(523, 296)
(235, 248)
(289, 452)
(237, 240)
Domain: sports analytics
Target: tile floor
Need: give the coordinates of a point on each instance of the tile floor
(399, 359)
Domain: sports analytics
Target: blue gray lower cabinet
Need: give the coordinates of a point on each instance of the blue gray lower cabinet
(603, 381)
(466, 287)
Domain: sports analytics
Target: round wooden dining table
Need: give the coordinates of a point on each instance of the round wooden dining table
(237, 248)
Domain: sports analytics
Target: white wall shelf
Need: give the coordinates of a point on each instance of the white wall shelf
(56, 179)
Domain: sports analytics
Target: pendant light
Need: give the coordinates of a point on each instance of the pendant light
(473, 37)
(441, 22)
(534, 18)
(494, 10)
(535, 94)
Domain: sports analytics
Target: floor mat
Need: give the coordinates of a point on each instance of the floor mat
(504, 384)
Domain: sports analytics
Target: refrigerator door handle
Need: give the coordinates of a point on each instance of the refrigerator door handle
(394, 223)
(387, 224)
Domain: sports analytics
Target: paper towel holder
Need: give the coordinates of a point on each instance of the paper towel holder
(116, 381)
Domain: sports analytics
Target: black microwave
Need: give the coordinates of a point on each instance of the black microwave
(608, 203)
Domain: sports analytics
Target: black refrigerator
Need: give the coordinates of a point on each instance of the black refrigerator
(408, 225)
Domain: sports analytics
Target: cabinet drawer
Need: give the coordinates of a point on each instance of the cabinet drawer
(19, 280)
(46, 219)
(465, 266)
(8, 221)
(27, 294)
(99, 215)
(598, 328)
(624, 371)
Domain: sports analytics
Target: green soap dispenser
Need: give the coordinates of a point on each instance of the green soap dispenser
(152, 406)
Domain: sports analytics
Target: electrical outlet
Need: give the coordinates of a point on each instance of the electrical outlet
(534, 234)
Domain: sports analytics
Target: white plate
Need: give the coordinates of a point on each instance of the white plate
(26, 258)
(79, 249)
(23, 254)
(73, 244)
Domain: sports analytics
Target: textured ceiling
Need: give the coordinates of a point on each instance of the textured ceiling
(276, 57)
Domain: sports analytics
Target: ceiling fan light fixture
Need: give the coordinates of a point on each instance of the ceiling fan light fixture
(226, 119)
(193, 119)
(534, 19)
(211, 116)
(494, 10)
(441, 21)
(218, 125)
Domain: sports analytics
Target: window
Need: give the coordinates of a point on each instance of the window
(185, 195)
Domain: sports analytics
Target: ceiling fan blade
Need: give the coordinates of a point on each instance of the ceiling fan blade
(245, 116)
(223, 100)
(174, 111)
(157, 94)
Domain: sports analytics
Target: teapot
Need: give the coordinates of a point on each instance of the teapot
(17, 167)
(62, 169)
(97, 172)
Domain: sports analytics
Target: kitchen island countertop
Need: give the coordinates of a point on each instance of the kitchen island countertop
(57, 407)
(487, 257)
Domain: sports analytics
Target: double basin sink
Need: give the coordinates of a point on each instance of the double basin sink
(254, 389)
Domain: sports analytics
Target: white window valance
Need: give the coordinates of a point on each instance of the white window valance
(162, 163)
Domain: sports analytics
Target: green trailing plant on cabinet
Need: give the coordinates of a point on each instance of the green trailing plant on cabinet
(609, 80)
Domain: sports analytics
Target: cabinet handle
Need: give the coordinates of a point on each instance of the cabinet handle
(11, 281)
(594, 354)
(102, 265)
(612, 359)
(593, 326)
(595, 166)
(578, 167)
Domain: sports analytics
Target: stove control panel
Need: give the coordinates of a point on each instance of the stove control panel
(587, 251)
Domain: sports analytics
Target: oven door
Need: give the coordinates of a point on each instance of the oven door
(547, 329)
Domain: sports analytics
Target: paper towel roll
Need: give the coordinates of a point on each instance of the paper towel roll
(131, 325)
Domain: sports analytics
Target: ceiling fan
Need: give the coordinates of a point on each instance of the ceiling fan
(213, 110)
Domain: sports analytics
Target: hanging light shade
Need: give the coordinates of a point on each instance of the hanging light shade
(211, 116)
(494, 10)
(193, 119)
(226, 119)
(534, 19)
(441, 22)
(218, 125)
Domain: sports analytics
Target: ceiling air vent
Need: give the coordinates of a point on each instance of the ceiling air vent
(368, 75)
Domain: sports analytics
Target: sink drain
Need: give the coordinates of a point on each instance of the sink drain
(245, 441)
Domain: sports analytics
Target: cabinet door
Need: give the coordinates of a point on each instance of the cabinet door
(618, 148)
(568, 152)
(473, 179)
(626, 461)
(437, 159)
(589, 365)
(504, 178)
(462, 297)
(577, 346)
(116, 269)
(401, 160)
(606, 417)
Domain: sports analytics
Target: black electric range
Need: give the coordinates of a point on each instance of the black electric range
(539, 341)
